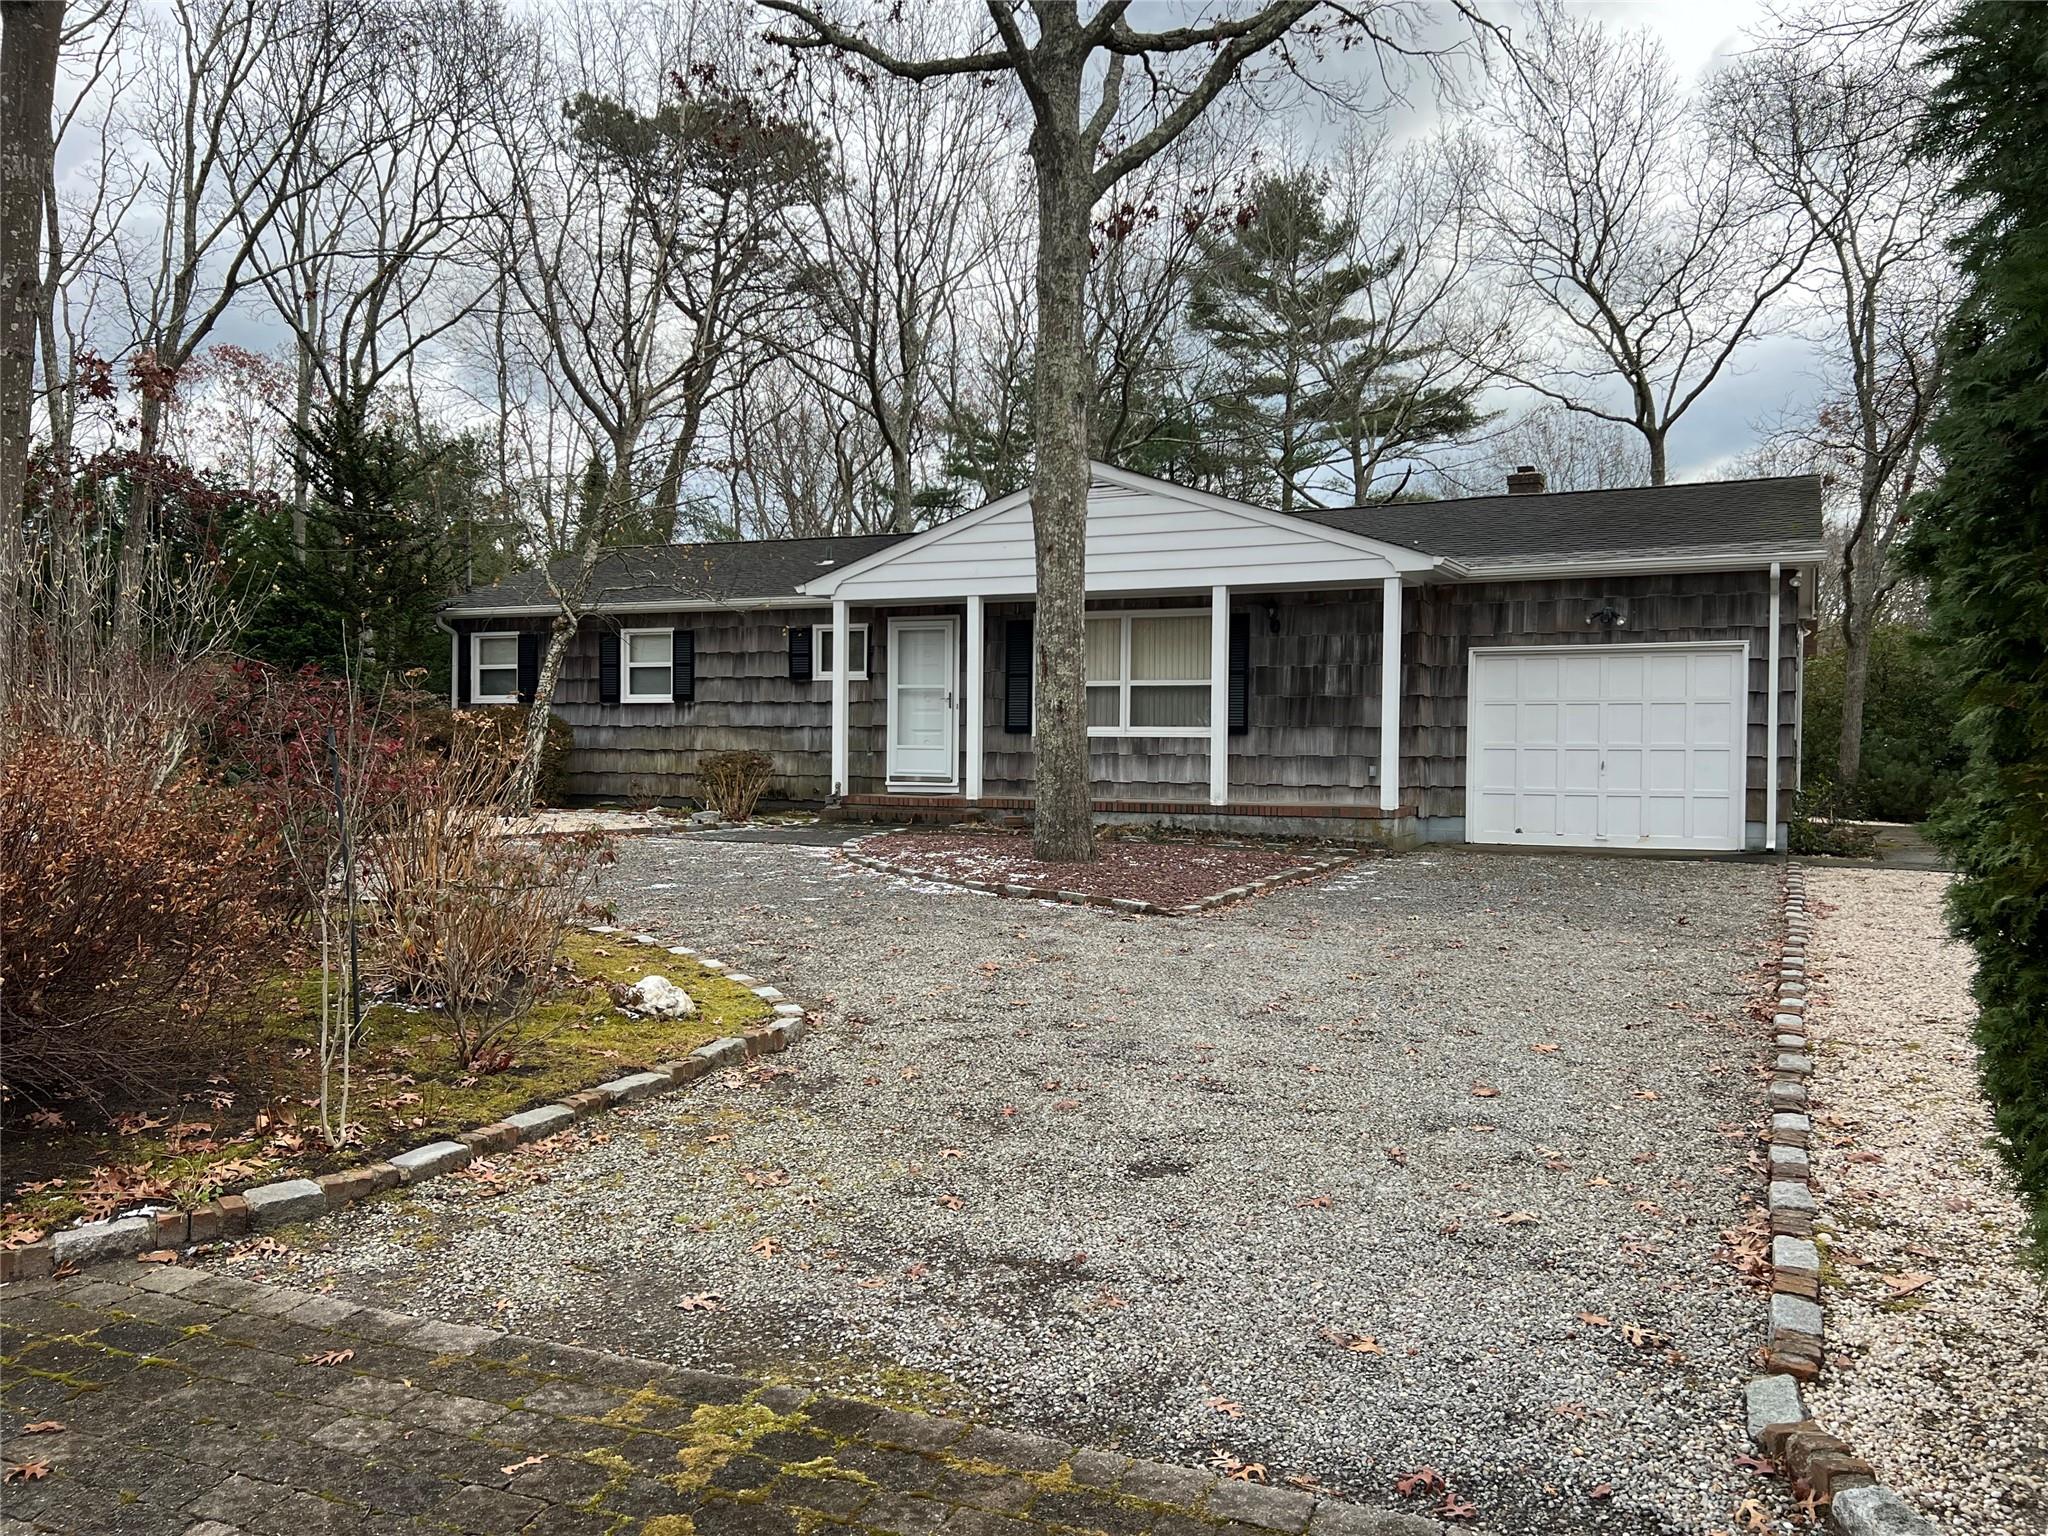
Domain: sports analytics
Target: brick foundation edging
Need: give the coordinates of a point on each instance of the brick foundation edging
(1317, 865)
(1857, 1504)
(289, 1200)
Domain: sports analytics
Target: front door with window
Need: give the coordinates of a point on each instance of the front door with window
(924, 714)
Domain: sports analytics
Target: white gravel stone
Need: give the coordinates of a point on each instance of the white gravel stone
(1942, 1390)
(660, 997)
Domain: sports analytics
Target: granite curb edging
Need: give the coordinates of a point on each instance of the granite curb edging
(301, 1199)
(1857, 1503)
(1317, 865)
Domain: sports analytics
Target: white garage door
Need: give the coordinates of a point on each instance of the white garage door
(1615, 746)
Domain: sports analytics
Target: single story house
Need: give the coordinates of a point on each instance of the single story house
(1595, 669)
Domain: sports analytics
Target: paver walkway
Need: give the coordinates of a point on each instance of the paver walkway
(192, 1404)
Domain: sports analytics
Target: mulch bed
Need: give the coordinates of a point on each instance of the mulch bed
(1164, 876)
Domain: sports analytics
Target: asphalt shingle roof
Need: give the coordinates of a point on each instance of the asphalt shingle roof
(1713, 515)
(734, 571)
(1733, 516)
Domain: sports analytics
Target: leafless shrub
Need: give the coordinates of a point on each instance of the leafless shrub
(732, 783)
(129, 909)
(468, 921)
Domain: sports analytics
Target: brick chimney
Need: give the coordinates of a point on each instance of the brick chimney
(1527, 480)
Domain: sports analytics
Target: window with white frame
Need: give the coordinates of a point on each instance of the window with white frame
(494, 669)
(649, 658)
(826, 663)
(1148, 674)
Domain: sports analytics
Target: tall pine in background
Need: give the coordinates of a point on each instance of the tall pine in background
(1981, 539)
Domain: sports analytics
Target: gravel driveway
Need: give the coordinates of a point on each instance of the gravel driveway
(1944, 1389)
(1302, 1183)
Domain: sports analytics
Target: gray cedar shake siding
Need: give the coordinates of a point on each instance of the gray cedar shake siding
(1682, 565)
(1313, 702)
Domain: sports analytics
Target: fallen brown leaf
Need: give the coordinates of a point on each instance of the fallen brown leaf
(26, 1471)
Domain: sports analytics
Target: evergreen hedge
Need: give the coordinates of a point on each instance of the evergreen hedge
(1981, 538)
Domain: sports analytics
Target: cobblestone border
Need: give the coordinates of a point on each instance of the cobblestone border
(288, 1200)
(1320, 864)
(1857, 1504)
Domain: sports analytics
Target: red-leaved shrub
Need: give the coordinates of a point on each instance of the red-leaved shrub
(130, 912)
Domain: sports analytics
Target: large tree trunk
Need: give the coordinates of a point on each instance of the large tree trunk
(526, 777)
(902, 515)
(1063, 823)
(1855, 689)
(28, 80)
(1653, 439)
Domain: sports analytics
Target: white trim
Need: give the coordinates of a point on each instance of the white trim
(1471, 569)
(1126, 731)
(1219, 695)
(476, 667)
(1772, 710)
(976, 661)
(818, 630)
(913, 786)
(626, 693)
(840, 694)
(1475, 652)
(1390, 694)
(1400, 557)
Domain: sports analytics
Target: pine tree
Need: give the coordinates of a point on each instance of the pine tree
(380, 554)
(1981, 538)
(1321, 385)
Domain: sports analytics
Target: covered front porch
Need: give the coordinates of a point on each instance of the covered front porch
(1240, 701)
(1239, 663)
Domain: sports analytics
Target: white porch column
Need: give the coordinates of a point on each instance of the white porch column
(1219, 695)
(839, 696)
(1390, 694)
(976, 659)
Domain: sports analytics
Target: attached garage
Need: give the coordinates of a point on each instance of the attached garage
(1609, 746)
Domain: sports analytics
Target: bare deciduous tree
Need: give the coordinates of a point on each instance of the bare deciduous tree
(1829, 115)
(890, 221)
(1647, 251)
(1085, 139)
(639, 248)
(29, 46)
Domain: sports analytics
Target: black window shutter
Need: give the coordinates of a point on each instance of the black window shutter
(1017, 677)
(529, 665)
(1240, 674)
(800, 653)
(462, 679)
(683, 656)
(607, 666)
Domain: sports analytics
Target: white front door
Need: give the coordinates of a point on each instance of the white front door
(1609, 746)
(924, 713)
